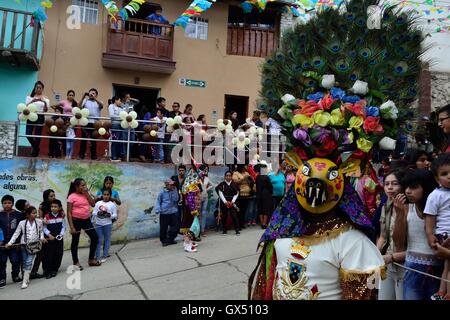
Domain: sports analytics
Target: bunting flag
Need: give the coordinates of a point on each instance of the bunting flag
(195, 9)
(111, 8)
(131, 9)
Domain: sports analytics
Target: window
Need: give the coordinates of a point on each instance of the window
(89, 10)
(197, 28)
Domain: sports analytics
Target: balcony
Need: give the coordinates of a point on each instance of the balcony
(140, 45)
(251, 41)
(19, 41)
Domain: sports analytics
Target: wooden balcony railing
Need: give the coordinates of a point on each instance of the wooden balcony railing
(19, 41)
(251, 41)
(140, 45)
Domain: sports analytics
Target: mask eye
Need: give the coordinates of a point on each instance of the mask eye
(306, 170)
(333, 174)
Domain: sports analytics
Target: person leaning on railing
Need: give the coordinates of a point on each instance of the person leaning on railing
(35, 128)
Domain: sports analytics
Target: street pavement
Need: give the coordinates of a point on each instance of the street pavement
(144, 270)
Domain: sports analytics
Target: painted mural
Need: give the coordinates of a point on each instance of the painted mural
(138, 186)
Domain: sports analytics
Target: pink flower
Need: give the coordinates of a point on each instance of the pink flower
(372, 124)
(326, 102)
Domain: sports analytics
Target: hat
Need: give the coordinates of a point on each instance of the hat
(169, 182)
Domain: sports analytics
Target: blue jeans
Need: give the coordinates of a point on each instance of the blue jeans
(69, 147)
(117, 148)
(158, 150)
(14, 257)
(203, 213)
(104, 233)
(27, 259)
(251, 210)
(417, 286)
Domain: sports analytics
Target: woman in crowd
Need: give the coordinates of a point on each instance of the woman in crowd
(233, 117)
(290, 177)
(264, 191)
(188, 113)
(42, 104)
(278, 181)
(417, 159)
(243, 180)
(392, 287)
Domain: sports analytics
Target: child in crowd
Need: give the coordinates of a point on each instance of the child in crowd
(21, 205)
(70, 141)
(108, 183)
(437, 219)
(47, 198)
(9, 220)
(158, 149)
(105, 211)
(32, 231)
(167, 208)
(409, 232)
(54, 229)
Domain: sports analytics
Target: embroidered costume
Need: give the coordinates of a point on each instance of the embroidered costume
(340, 91)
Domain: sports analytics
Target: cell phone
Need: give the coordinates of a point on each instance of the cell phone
(406, 199)
(441, 237)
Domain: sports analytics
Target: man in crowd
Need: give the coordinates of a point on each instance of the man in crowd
(444, 122)
(90, 101)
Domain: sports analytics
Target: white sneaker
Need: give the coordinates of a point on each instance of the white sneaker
(103, 260)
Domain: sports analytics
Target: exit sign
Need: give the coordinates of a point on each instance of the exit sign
(192, 83)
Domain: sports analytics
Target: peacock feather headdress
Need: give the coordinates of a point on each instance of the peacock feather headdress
(338, 87)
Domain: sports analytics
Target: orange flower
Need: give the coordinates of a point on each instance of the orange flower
(326, 102)
(308, 108)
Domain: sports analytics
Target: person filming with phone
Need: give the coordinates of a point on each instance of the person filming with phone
(90, 101)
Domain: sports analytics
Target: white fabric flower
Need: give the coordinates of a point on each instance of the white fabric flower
(287, 98)
(389, 110)
(328, 81)
(387, 143)
(360, 87)
(284, 111)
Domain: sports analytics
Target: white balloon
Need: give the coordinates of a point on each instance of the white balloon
(260, 130)
(33, 117)
(124, 124)
(241, 136)
(134, 124)
(252, 130)
(85, 112)
(219, 121)
(169, 129)
(53, 128)
(153, 133)
(32, 107)
(76, 110)
(21, 107)
(123, 115)
(256, 157)
(234, 140)
(221, 127)
(73, 121)
(102, 131)
(178, 120)
(170, 122)
(228, 129)
(247, 141)
(23, 117)
(133, 114)
(84, 121)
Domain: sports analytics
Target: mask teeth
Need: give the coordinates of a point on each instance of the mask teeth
(310, 191)
(314, 203)
(324, 198)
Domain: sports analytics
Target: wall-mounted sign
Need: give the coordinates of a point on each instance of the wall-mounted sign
(192, 83)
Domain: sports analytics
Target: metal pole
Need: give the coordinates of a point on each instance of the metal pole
(128, 145)
(17, 138)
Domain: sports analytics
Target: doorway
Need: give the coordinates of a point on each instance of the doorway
(146, 96)
(238, 104)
